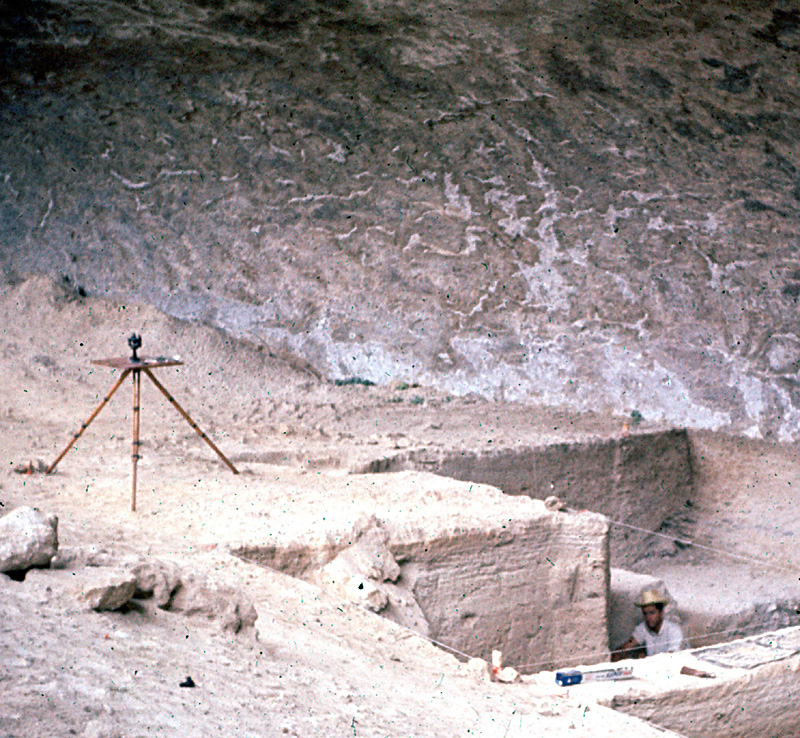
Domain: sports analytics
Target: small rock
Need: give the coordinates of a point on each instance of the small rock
(105, 588)
(555, 504)
(157, 579)
(197, 595)
(507, 675)
(94, 556)
(478, 669)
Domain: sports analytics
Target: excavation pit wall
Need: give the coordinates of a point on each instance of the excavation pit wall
(640, 479)
(646, 481)
(465, 565)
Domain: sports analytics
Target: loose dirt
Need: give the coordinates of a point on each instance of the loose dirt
(314, 665)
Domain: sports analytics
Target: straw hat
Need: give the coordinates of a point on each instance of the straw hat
(652, 597)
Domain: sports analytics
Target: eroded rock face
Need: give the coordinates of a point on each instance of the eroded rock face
(585, 204)
(200, 596)
(103, 588)
(28, 538)
(173, 588)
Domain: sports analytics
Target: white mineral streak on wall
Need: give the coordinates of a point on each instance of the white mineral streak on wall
(314, 198)
(546, 285)
(657, 224)
(457, 204)
(128, 183)
(542, 377)
(656, 392)
(629, 381)
(339, 155)
(790, 417)
(414, 242)
(513, 225)
(752, 391)
(783, 354)
(177, 173)
(612, 215)
(641, 197)
(345, 236)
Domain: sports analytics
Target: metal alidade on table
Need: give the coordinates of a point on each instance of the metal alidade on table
(135, 365)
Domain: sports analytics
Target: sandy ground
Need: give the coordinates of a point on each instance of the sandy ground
(314, 665)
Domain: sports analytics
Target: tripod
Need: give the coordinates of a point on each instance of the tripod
(135, 366)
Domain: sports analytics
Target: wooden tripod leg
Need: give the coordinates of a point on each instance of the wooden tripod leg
(137, 386)
(189, 420)
(77, 435)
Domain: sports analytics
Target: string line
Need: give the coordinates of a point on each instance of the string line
(688, 542)
(592, 654)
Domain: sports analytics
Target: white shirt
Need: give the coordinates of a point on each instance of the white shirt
(668, 639)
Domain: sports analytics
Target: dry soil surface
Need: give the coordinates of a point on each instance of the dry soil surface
(313, 665)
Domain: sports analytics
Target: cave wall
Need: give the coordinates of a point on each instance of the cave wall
(588, 204)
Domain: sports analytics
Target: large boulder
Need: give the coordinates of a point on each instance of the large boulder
(28, 538)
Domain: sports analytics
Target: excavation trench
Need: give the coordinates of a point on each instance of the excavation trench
(643, 480)
(554, 587)
(643, 483)
(471, 583)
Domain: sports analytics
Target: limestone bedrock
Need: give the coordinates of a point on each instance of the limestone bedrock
(587, 204)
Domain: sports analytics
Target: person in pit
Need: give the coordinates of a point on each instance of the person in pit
(655, 634)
